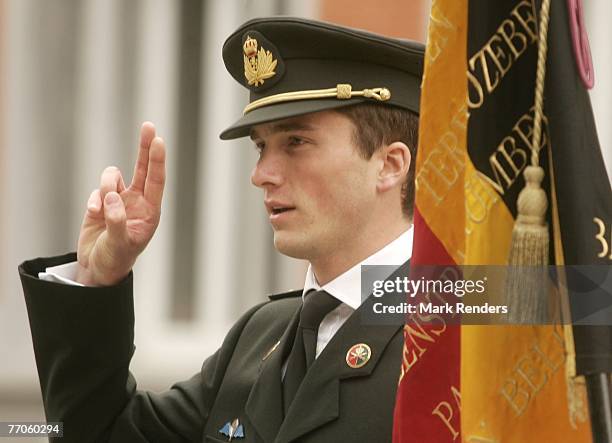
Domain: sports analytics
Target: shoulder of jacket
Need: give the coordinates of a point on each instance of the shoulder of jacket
(290, 294)
(277, 310)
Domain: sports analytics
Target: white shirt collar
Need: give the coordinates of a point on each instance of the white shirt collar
(347, 287)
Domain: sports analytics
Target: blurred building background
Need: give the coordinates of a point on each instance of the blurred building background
(77, 77)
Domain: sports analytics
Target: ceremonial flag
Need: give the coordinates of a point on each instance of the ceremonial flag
(502, 383)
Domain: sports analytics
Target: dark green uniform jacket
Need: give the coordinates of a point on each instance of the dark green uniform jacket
(83, 342)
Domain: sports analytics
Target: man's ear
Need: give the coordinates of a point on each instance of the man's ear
(394, 164)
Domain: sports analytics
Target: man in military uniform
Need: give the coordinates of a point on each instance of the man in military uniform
(333, 114)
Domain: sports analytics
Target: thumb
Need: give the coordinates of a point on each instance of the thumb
(115, 217)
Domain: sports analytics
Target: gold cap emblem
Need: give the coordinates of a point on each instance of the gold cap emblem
(259, 65)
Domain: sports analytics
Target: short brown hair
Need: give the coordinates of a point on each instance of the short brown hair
(378, 125)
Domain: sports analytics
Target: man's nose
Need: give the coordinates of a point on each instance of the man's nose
(267, 171)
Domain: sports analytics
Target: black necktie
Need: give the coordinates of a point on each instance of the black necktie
(317, 305)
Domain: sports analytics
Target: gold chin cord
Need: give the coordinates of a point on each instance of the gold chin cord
(340, 92)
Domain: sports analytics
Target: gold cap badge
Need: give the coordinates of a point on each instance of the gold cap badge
(358, 355)
(259, 65)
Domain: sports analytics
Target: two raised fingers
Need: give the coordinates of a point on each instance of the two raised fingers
(149, 173)
(150, 169)
(156, 173)
(147, 134)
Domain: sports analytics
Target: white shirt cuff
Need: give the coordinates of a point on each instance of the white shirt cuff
(65, 274)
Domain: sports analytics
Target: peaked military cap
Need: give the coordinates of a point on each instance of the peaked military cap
(294, 66)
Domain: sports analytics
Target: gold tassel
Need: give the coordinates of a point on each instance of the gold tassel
(527, 279)
(530, 233)
(526, 286)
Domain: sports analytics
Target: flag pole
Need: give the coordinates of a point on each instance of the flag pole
(598, 385)
(599, 392)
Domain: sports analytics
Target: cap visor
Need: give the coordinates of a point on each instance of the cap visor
(279, 111)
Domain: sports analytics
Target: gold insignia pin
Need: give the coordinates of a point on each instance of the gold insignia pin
(259, 64)
(358, 355)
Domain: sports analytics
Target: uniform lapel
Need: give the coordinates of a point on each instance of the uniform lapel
(317, 402)
(318, 399)
(264, 407)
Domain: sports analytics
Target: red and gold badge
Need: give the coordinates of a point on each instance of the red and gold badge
(358, 355)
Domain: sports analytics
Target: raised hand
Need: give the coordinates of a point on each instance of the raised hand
(119, 221)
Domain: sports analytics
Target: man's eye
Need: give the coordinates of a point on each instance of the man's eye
(259, 147)
(295, 141)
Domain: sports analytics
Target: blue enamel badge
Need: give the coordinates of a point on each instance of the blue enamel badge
(232, 430)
